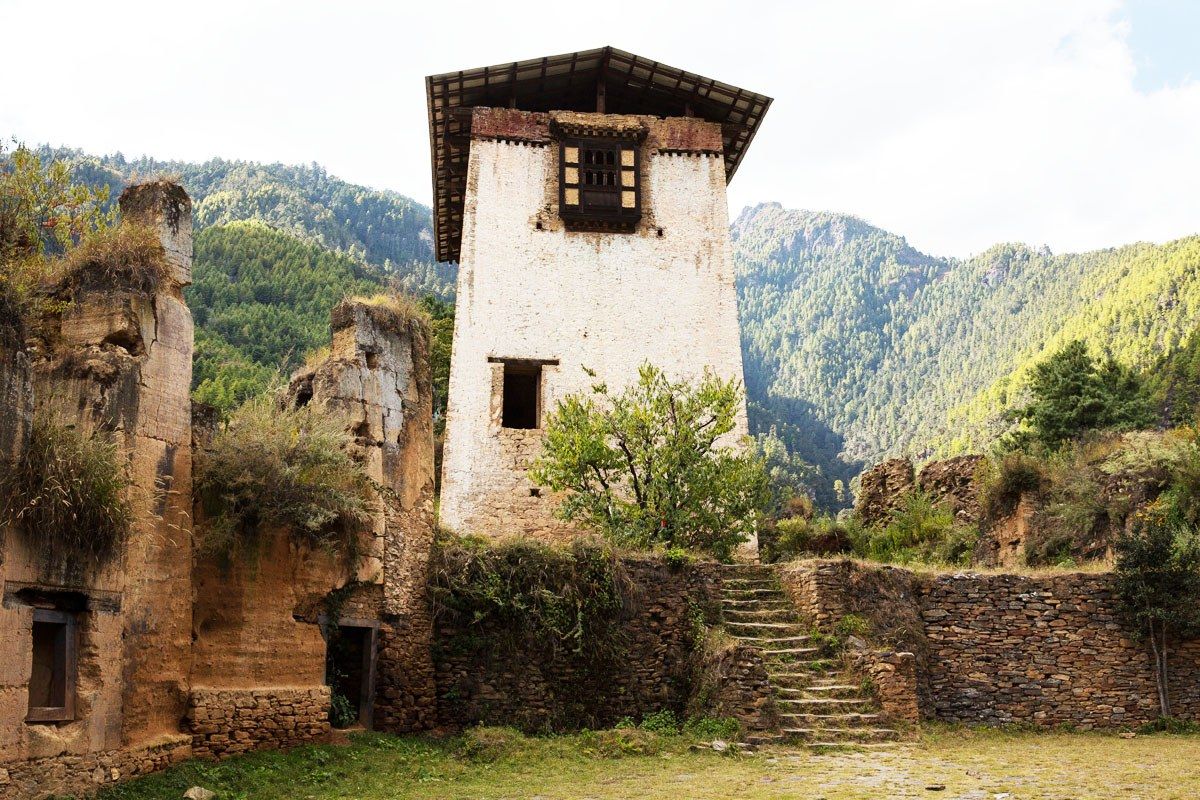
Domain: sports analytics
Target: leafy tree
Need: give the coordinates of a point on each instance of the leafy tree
(645, 467)
(1072, 395)
(1158, 580)
(43, 214)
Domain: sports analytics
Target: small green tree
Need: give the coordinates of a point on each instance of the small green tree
(644, 467)
(1158, 584)
(43, 213)
(1073, 394)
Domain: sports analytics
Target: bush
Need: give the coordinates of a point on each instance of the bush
(276, 466)
(570, 597)
(341, 712)
(644, 467)
(821, 535)
(69, 495)
(1005, 479)
(709, 728)
(128, 255)
(624, 741)
(490, 743)
(920, 531)
(662, 722)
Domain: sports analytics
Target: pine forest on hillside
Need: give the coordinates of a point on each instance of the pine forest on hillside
(857, 346)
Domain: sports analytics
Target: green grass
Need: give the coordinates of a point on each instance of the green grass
(499, 763)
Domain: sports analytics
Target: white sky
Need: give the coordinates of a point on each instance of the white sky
(961, 123)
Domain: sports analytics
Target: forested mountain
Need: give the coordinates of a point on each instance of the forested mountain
(856, 345)
(379, 228)
(261, 300)
(879, 349)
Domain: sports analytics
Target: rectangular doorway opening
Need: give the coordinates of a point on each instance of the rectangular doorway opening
(522, 395)
(350, 674)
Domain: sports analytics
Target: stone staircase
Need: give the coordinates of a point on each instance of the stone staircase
(818, 705)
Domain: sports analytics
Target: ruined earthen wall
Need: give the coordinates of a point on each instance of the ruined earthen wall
(998, 649)
(528, 288)
(480, 679)
(115, 358)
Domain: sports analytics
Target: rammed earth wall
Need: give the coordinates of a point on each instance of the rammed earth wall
(998, 649)
(481, 679)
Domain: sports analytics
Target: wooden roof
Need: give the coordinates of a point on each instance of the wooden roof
(605, 79)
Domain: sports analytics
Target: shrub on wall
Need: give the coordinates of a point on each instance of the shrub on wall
(570, 598)
(277, 466)
(69, 494)
(645, 466)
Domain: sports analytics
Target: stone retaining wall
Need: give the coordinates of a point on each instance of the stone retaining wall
(997, 649)
(733, 684)
(84, 774)
(224, 722)
(481, 679)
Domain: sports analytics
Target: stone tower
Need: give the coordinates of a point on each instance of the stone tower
(583, 196)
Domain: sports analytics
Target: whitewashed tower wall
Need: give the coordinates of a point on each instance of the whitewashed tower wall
(530, 289)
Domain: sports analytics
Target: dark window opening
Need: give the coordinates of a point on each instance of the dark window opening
(53, 674)
(522, 390)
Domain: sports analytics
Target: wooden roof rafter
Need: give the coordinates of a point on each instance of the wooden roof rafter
(625, 83)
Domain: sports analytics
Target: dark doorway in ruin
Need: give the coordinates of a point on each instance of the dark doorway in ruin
(350, 672)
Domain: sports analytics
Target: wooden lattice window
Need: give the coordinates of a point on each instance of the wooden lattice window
(599, 184)
(53, 673)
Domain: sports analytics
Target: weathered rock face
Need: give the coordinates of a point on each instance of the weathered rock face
(954, 483)
(16, 395)
(881, 490)
(118, 360)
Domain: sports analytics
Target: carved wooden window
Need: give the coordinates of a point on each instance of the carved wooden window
(53, 673)
(599, 186)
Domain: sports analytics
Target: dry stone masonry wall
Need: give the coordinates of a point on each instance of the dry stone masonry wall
(997, 649)
(480, 680)
(226, 722)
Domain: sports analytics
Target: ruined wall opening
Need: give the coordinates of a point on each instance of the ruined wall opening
(54, 670)
(522, 395)
(350, 673)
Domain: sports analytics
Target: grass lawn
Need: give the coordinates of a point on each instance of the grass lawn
(496, 763)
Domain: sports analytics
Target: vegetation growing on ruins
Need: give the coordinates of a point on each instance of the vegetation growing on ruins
(69, 494)
(645, 467)
(43, 214)
(275, 466)
(1158, 581)
(571, 598)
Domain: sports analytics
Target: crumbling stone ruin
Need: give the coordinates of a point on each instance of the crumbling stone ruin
(162, 651)
(953, 483)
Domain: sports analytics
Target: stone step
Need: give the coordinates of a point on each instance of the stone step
(817, 692)
(839, 736)
(801, 670)
(751, 592)
(792, 652)
(814, 703)
(759, 641)
(758, 614)
(764, 624)
(848, 720)
(756, 602)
